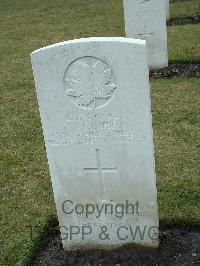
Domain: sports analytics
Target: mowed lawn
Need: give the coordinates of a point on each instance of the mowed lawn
(25, 186)
(186, 8)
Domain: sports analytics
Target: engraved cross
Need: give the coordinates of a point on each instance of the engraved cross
(144, 34)
(100, 170)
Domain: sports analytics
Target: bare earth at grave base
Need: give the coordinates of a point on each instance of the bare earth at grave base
(177, 246)
(177, 70)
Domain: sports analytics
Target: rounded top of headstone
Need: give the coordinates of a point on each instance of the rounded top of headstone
(89, 40)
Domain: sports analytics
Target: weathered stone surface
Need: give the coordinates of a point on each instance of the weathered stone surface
(94, 101)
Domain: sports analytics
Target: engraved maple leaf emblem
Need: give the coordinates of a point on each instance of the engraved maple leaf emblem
(90, 82)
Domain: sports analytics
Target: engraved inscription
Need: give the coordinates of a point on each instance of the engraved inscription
(144, 34)
(89, 82)
(143, 1)
(95, 128)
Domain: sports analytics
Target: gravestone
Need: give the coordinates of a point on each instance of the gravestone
(146, 20)
(167, 9)
(94, 101)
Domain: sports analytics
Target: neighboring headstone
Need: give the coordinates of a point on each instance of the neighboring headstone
(146, 19)
(94, 101)
(167, 9)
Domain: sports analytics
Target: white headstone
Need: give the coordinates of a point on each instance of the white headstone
(94, 101)
(146, 19)
(167, 9)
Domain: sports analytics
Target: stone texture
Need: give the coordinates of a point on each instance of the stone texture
(146, 19)
(94, 101)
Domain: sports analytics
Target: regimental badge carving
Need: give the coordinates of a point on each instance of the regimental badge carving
(89, 82)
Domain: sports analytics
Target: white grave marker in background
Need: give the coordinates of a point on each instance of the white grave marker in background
(94, 101)
(146, 19)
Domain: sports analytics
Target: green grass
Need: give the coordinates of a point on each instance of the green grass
(26, 196)
(176, 116)
(185, 9)
(25, 187)
(28, 25)
(184, 43)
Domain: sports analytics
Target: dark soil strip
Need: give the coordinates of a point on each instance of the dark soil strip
(177, 1)
(177, 70)
(177, 247)
(183, 21)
